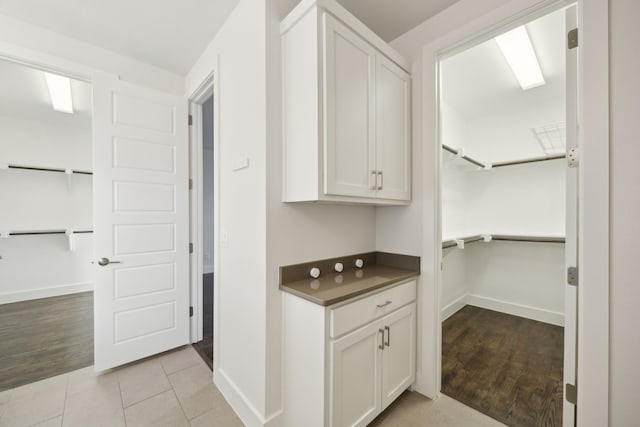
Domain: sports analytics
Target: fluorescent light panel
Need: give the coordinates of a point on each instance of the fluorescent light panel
(518, 51)
(60, 92)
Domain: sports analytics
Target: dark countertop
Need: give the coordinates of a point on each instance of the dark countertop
(334, 287)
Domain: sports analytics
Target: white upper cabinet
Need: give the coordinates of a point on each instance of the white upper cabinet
(349, 112)
(393, 147)
(346, 105)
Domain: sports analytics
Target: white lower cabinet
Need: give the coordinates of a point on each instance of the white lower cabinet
(371, 367)
(345, 364)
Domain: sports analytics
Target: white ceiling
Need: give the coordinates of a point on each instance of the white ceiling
(479, 80)
(25, 95)
(170, 34)
(390, 19)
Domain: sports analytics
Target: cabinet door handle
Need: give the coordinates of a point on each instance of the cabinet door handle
(375, 180)
(388, 341)
(381, 345)
(381, 180)
(383, 305)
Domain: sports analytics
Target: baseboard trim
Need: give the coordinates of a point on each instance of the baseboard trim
(242, 406)
(528, 312)
(453, 307)
(38, 293)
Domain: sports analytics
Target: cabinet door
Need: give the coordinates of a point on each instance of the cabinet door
(393, 130)
(354, 395)
(349, 112)
(399, 355)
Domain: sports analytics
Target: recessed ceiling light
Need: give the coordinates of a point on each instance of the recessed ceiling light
(60, 92)
(518, 51)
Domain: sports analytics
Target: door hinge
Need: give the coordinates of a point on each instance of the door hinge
(190, 248)
(191, 311)
(190, 184)
(572, 276)
(190, 120)
(572, 39)
(573, 157)
(571, 393)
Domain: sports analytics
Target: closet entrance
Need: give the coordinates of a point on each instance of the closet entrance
(203, 156)
(46, 225)
(507, 118)
(94, 186)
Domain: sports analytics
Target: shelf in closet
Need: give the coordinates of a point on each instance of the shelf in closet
(43, 232)
(482, 165)
(70, 234)
(45, 169)
(464, 156)
(502, 237)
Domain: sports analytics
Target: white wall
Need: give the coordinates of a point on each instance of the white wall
(525, 199)
(248, 47)
(207, 185)
(625, 211)
(41, 266)
(455, 286)
(239, 355)
(505, 135)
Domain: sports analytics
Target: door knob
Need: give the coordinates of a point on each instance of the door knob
(105, 261)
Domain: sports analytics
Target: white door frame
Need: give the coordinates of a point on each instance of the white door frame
(593, 210)
(196, 227)
(209, 85)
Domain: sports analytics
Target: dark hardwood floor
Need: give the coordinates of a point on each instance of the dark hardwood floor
(205, 347)
(45, 337)
(507, 367)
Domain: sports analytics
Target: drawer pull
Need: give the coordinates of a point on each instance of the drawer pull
(388, 341)
(381, 345)
(383, 305)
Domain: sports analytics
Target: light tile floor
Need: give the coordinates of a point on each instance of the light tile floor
(175, 389)
(172, 389)
(415, 410)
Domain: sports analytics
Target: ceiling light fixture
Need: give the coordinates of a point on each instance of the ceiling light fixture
(518, 51)
(60, 92)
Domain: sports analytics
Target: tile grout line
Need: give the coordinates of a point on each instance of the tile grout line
(174, 392)
(66, 393)
(124, 416)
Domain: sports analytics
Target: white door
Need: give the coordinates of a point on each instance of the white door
(349, 112)
(571, 245)
(355, 377)
(140, 161)
(393, 136)
(399, 355)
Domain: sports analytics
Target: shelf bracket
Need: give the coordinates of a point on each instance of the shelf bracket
(71, 239)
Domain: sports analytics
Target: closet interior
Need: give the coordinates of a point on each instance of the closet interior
(503, 228)
(46, 236)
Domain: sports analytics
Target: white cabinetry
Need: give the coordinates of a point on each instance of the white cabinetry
(345, 364)
(346, 111)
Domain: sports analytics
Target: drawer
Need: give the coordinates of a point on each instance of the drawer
(353, 315)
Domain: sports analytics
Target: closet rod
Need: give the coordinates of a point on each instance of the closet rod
(467, 158)
(531, 160)
(35, 168)
(535, 239)
(506, 238)
(35, 233)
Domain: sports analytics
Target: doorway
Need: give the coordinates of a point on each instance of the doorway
(46, 225)
(204, 346)
(504, 223)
